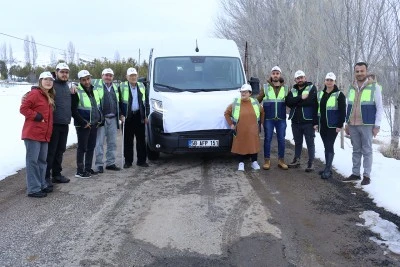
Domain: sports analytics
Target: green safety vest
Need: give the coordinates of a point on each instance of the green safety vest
(236, 109)
(124, 87)
(332, 116)
(274, 106)
(306, 111)
(367, 103)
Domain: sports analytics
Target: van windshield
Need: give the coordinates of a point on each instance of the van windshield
(197, 73)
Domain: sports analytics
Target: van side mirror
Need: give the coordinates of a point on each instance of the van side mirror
(255, 85)
(144, 81)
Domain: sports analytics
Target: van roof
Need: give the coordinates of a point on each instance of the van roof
(207, 47)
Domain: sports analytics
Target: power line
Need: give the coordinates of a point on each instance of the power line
(48, 46)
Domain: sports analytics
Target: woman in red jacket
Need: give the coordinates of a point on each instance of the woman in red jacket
(37, 107)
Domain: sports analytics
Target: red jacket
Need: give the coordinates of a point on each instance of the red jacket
(38, 114)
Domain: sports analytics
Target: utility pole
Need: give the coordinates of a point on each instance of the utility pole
(139, 63)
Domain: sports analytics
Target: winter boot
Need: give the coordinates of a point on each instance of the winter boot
(326, 160)
(310, 167)
(328, 166)
(295, 163)
(267, 164)
(282, 164)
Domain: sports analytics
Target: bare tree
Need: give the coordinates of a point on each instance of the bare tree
(27, 50)
(3, 52)
(53, 59)
(34, 54)
(390, 36)
(11, 59)
(71, 53)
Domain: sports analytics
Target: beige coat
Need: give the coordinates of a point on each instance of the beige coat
(247, 140)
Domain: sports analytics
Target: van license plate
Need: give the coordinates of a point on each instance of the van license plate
(203, 143)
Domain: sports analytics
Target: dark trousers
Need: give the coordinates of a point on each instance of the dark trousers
(307, 130)
(328, 136)
(242, 158)
(86, 144)
(134, 128)
(57, 147)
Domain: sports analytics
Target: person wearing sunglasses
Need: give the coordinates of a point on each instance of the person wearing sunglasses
(331, 117)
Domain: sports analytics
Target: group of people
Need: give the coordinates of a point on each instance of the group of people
(97, 110)
(326, 111)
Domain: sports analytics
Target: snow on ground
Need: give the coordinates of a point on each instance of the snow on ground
(12, 154)
(384, 188)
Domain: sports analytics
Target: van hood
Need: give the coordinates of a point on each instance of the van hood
(196, 111)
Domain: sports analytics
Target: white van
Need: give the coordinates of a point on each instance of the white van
(190, 85)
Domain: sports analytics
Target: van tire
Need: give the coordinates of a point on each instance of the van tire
(152, 155)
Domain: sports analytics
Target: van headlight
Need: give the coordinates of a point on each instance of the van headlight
(157, 106)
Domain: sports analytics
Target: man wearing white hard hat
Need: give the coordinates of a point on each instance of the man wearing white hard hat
(303, 104)
(62, 119)
(87, 115)
(243, 116)
(110, 106)
(331, 115)
(134, 108)
(273, 98)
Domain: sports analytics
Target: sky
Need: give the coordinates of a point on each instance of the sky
(100, 28)
(383, 190)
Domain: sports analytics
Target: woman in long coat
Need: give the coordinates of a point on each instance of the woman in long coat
(244, 116)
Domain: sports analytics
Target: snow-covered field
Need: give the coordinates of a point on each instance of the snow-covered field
(12, 154)
(384, 188)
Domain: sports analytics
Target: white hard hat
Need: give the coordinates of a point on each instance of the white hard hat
(330, 75)
(46, 74)
(299, 73)
(62, 66)
(131, 71)
(276, 68)
(83, 73)
(107, 71)
(246, 87)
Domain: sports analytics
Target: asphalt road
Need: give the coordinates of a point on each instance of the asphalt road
(190, 210)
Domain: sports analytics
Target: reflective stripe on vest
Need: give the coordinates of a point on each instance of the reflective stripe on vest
(84, 104)
(236, 109)
(332, 108)
(304, 110)
(99, 87)
(274, 106)
(367, 104)
(124, 87)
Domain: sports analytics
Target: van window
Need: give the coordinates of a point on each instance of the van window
(197, 73)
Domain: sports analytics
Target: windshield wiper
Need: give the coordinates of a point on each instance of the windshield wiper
(169, 87)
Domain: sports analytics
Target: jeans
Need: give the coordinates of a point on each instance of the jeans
(280, 126)
(307, 130)
(328, 137)
(57, 147)
(361, 139)
(36, 154)
(86, 144)
(108, 132)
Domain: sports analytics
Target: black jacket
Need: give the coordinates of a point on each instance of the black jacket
(296, 104)
(78, 119)
(143, 108)
(341, 106)
(62, 112)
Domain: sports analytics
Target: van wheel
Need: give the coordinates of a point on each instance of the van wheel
(152, 155)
